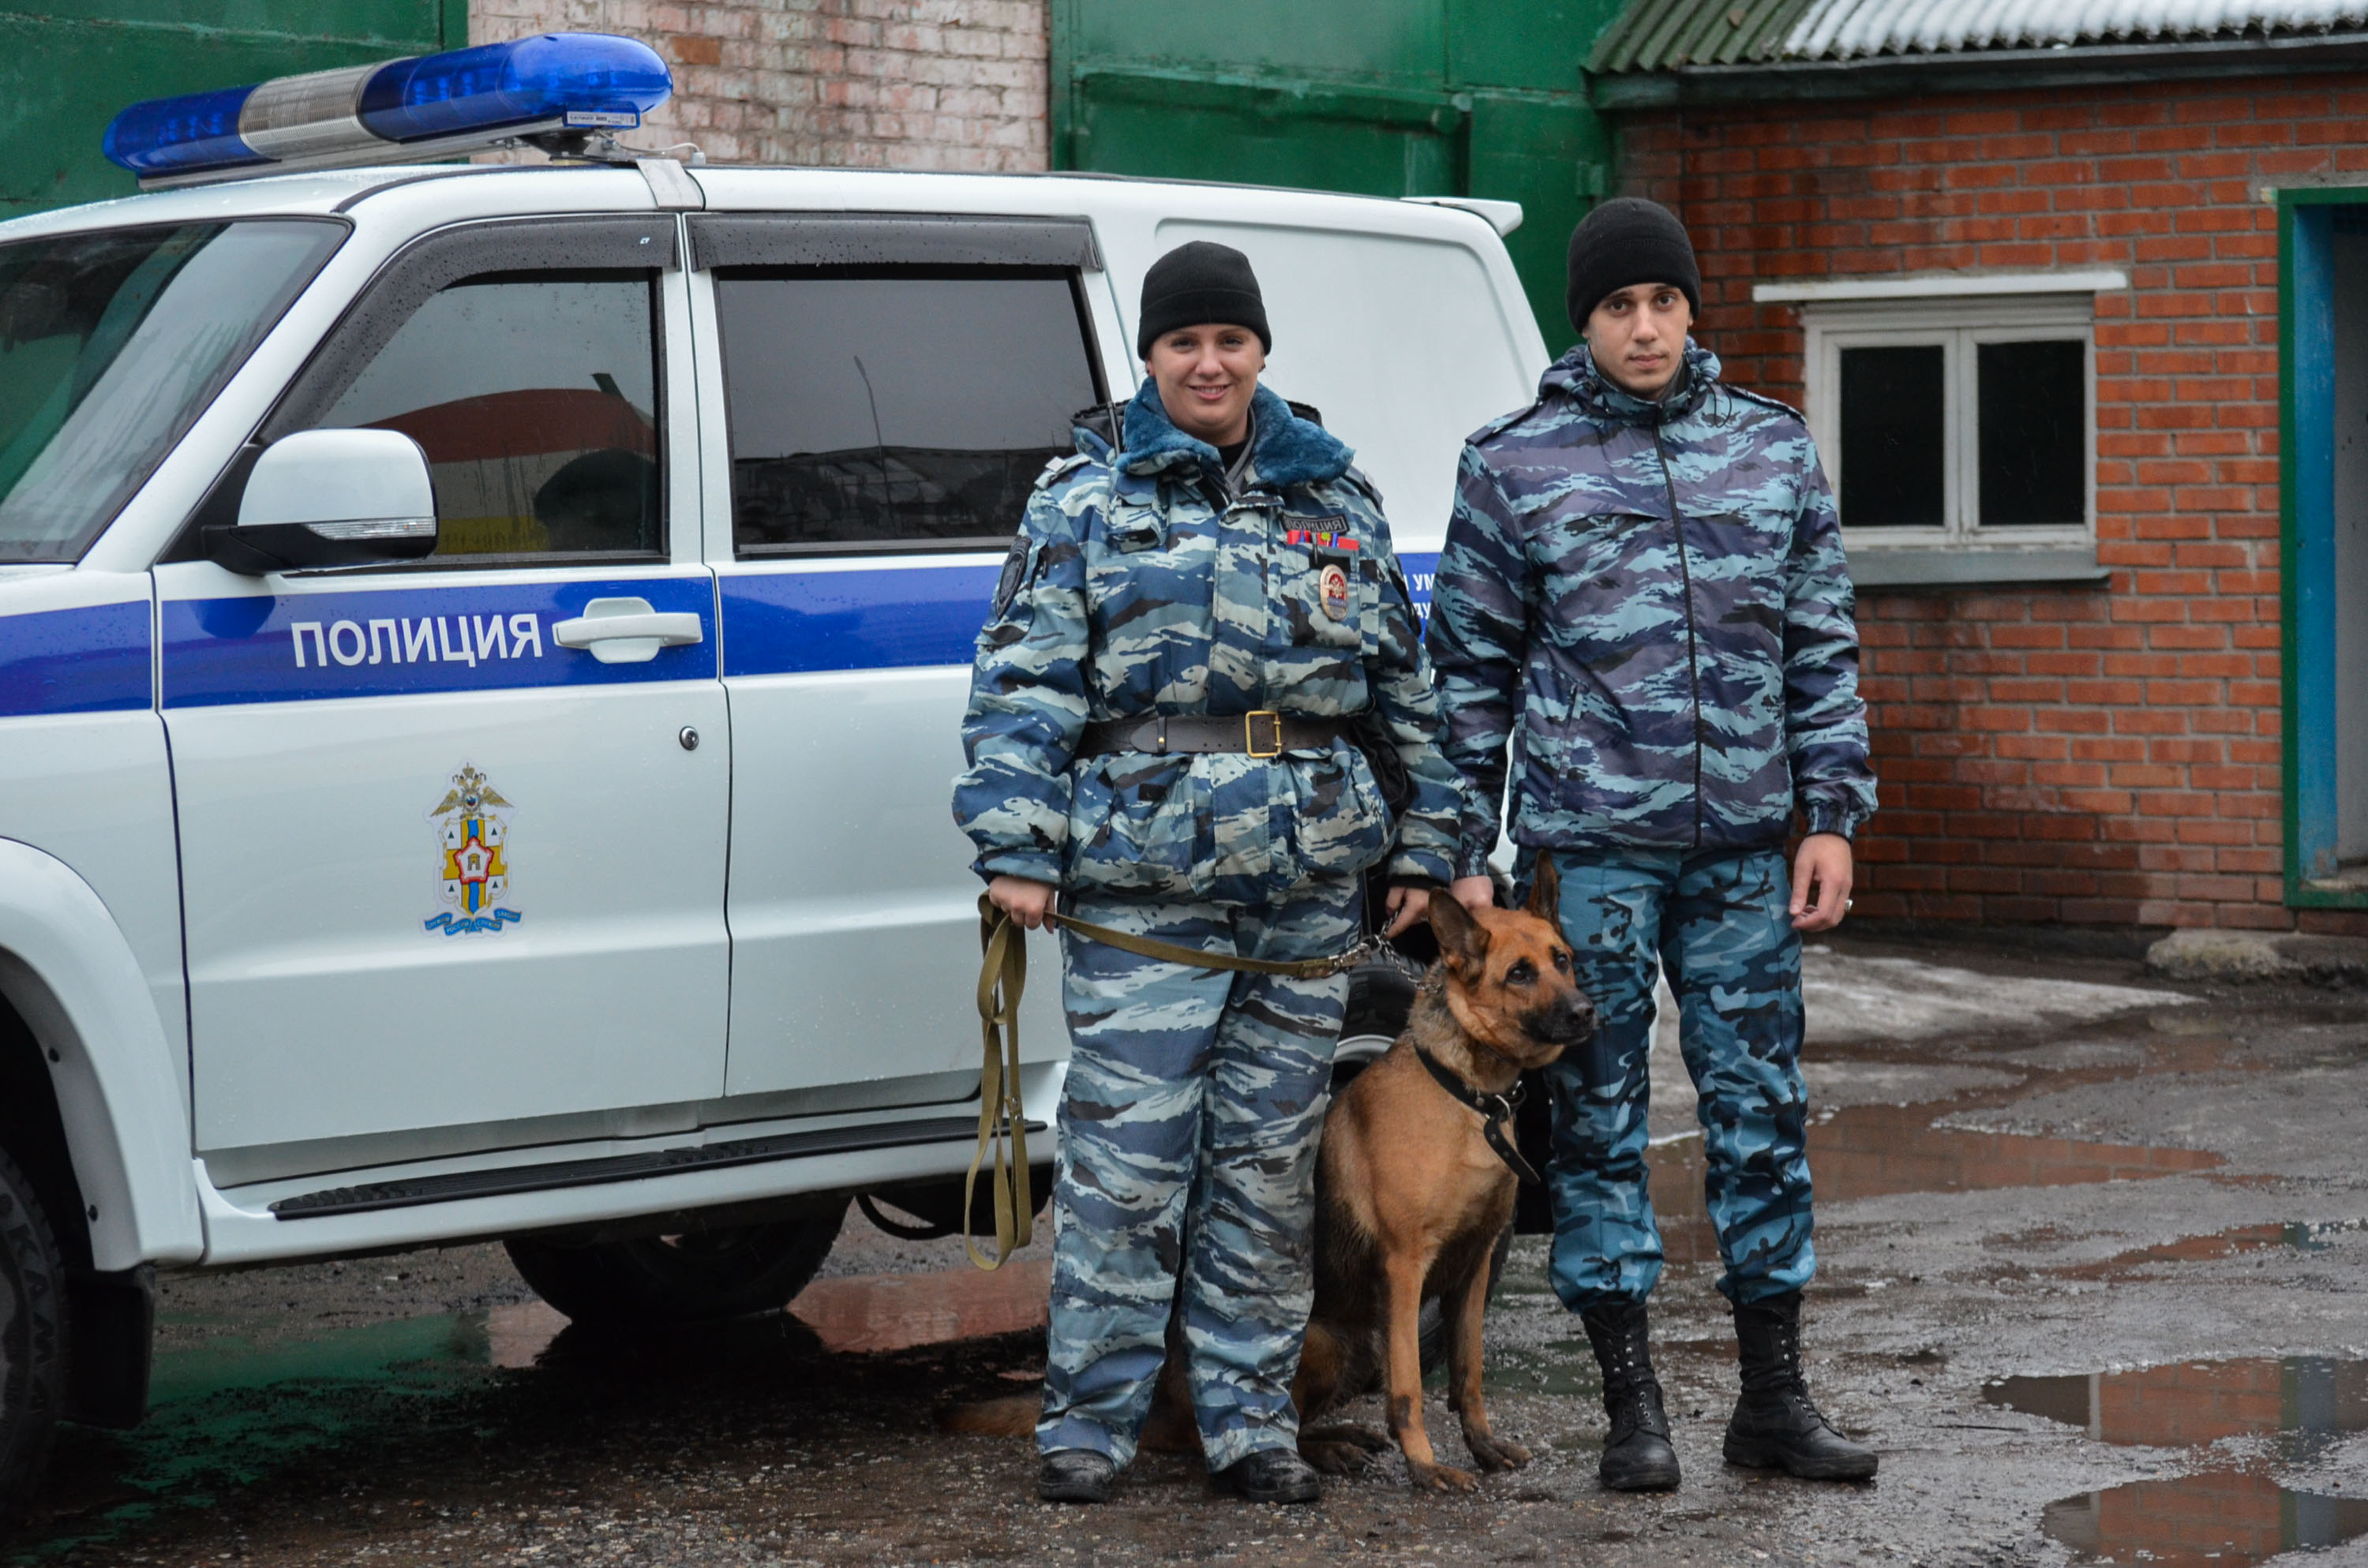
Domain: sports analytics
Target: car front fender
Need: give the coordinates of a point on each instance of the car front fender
(66, 967)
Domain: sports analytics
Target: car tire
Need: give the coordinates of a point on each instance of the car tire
(695, 1276)
(33, 1340)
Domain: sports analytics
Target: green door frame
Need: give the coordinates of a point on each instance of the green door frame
(2307, 221)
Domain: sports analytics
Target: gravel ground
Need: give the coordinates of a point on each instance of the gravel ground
(1967, 1232)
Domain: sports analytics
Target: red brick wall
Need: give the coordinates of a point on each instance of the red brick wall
(2058, 755)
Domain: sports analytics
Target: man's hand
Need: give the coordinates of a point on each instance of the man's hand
(1475, 892)
(1026, 902)
(1821, 882)
(1406, 906)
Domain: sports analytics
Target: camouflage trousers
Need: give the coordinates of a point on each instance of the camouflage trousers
(1188, 1132)
(1718, 922)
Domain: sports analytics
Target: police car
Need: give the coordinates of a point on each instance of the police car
(480, 655)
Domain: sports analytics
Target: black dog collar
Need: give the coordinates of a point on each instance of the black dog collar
(1497, 1111)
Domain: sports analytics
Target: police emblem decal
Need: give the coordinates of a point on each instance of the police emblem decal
(1336, 592)
(472, 871)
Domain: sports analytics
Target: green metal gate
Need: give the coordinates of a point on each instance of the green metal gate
(65, 69)
(1385, 97)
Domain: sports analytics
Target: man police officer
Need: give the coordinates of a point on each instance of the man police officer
(1643, 594)
(1191, 635)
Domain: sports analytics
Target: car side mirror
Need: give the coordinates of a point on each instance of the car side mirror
(330, 498)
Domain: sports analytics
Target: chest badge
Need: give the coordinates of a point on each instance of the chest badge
(473, 859)
(1335, 587)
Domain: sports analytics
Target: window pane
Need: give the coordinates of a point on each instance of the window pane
(536, 401)
(2033, 445)
(112, 345)
(1893, 404)
(894, 408)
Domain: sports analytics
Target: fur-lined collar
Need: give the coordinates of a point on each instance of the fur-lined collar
(1285, 449)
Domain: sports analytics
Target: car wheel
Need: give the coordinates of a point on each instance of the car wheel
(695, 1276)
(33, 1339)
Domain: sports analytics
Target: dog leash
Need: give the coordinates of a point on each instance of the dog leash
(1002, 1121)
(1497, 1109)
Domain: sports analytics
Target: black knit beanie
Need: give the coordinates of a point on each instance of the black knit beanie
(1197, 284)
(1629, 240)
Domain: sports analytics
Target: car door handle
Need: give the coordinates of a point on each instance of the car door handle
(627, 631)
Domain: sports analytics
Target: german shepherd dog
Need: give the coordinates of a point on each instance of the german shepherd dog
(1410, 1199)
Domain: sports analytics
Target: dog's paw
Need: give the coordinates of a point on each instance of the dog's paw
(1365, 1438)
(1492, 1453)
(1333, 1458)
(1441, 1478)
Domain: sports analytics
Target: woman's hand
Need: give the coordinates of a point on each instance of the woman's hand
(1406, 906)
(1821, 882)
(1026, 902)
(1475, 892)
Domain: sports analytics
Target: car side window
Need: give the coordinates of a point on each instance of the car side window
(895, 407)
(535, 397)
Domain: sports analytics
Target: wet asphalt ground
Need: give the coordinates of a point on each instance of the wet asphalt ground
(2092, 1250)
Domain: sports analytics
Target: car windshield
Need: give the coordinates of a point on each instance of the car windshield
(112, 345)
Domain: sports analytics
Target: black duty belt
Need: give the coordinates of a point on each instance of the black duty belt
(1263, 734)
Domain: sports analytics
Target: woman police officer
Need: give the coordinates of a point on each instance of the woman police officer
(1190, 635)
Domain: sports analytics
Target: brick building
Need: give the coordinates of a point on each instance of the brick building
(2030, 285)
(957, 85)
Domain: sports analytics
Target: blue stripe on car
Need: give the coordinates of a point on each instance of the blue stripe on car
(899, 618)
(93, 660)
(397, 642)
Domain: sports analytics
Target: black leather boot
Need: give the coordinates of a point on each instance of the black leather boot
(1775, 1426)
(1075, 1475)
(1636, 1452)
(1271, 1475)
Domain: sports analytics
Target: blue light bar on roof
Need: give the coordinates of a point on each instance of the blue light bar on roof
(327, 119)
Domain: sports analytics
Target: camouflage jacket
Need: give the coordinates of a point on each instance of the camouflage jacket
(1649, 602)
(1135, 588)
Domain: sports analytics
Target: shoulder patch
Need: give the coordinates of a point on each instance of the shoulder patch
(1015, 571)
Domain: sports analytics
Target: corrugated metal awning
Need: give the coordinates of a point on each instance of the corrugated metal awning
(1656, 35)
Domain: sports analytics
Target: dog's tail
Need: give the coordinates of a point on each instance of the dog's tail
(1011, 1417)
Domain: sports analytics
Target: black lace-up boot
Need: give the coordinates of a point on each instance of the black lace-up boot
(1636, 1452)
(1775, 1426)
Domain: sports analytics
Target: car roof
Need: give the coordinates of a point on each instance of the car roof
(743, 188)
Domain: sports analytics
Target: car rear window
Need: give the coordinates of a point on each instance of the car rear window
(896, 408)
(112, 345)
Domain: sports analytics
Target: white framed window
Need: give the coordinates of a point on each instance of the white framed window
(1957, 414)
(1973, 423)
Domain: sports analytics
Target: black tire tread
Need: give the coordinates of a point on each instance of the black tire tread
(612, 1284)
(33, 1329)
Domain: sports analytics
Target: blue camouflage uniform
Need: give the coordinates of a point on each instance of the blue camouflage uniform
(1139, 584)
(1648, 604)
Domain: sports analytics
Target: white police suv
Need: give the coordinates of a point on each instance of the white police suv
(480, 653)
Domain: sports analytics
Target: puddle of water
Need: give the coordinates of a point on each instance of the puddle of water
(2219, 1519)
(1873, 1151)
(2220, 1516)
(2235, 1243)
(872, 1312)
(2199, 1401)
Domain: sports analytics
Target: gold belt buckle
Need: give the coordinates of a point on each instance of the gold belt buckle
(1249, 732)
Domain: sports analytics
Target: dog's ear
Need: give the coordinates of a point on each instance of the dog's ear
(1461, 941)
(1545, 890)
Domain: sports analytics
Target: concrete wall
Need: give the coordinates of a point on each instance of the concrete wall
(2060, 754)
(873, 84)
